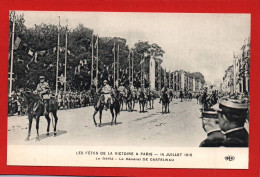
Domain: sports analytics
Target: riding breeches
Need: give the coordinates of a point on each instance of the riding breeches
(108, 97)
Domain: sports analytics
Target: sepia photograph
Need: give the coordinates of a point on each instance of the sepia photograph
(121, 89)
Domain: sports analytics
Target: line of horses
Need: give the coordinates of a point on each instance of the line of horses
(116, 104)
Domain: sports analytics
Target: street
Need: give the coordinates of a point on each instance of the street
(181, 128)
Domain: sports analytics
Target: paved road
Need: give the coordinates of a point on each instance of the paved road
(180, 128)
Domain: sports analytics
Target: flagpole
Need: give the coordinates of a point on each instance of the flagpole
(132, 68)
(160, 78)
(114, 52)
(129, 62)
(169, 79)
(58, 52)
(12, 56)
(234, 72)
(66, 55)
(165, 77)
(117, 64)
(97, 67)
(92, 58)
(141, 72)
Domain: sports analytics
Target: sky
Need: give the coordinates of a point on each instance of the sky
(193, 42)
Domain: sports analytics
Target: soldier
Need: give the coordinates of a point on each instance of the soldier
(43, 89)
(106, 90)
(210, 124)
(121, 89)
(60, 95)
(232, 114)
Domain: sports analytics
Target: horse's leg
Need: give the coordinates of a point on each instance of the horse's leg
(48, 125)
(168, 107)
(37, 127)
(100, 116)
(56, 121)
(112, 113)
(30, 117)
(140, 106)
(94, 117)
(162, 107)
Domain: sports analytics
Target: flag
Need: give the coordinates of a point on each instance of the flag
(142, 60)
(35, 57)
(42, 52)
(17, 43)
(81, 62)
(30, 52)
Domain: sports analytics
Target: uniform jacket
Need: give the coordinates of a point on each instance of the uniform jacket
(214, 139)
(237, 138)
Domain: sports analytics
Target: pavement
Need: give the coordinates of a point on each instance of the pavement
(180, 128)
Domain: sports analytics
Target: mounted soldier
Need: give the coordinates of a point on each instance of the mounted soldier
(43, 90)
(121, 89)
(107, 90)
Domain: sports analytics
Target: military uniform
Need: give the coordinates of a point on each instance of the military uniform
(107, 90)
(210, 125)
(232, 116)
(43, 89)
(121, 90)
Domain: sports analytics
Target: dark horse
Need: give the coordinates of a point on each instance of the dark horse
(99, 106)
(36, 109)
(129, 99)
(165, 102)
(142, 101)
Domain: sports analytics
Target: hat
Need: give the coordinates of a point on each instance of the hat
(105, 81)
(41, 77)
(235, 106)
(209, 114)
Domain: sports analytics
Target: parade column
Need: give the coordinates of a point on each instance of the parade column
(152, 73)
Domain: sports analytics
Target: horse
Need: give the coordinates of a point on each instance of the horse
(150, 99)
(165, 102)
(135, 99)
(129, 98)
(142, 101)
(36, 110)
(99, 106)
(170, 95)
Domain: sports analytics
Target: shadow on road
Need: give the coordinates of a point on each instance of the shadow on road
(44, 136)
(109, 124)
(145, 117)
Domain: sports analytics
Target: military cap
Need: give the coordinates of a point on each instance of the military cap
(41, 77)
(209, 114)
(105, 81)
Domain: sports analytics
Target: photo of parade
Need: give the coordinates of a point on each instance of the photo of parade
(103, 79)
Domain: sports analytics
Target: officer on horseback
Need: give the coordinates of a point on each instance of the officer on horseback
(121, 89)
(106, 90)
(43, 90)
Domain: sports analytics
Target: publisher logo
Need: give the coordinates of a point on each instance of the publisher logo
(229, 158)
